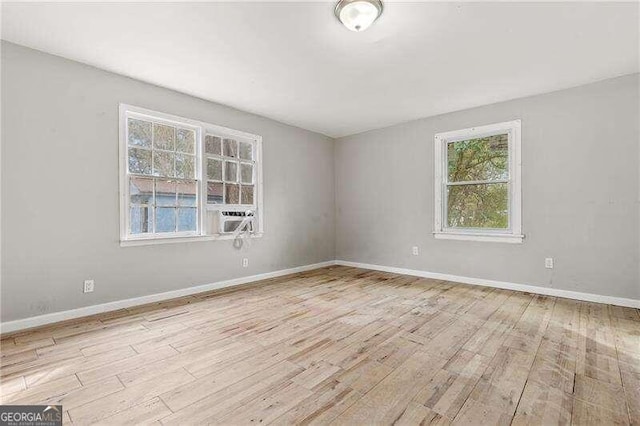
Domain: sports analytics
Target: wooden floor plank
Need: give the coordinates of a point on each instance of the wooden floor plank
(543, 405)
(146, 413)
(223, 401)
(129, 397)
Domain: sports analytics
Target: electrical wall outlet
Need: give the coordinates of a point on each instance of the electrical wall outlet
(415, 251)
(245, 262)
(88, 286)
(548, 262)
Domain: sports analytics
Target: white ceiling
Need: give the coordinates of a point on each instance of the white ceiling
(295, 63)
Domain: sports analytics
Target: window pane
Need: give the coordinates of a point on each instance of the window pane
(212, 145)
(232, 193)
(246, 173)
(140, 190)
(479, 159)
(186, 141)
(230, 148)
(247, 194)
(187, 192)
(165, 219)
(214, 193)
(139, 220)
(140, 161)
(163, 163)
(164, 137)
(246, 151)
(139, 132)
(187, 219)
(214, 169)
(165, 192)
(478, 206)
(185, 166)
(230, 171)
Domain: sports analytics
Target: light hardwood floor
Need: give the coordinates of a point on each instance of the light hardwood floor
(337, 345)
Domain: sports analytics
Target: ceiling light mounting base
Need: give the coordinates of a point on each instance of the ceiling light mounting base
(358, 15)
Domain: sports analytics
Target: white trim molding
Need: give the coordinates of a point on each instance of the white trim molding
(497, 238)
(513, 233)
(568, 294)
(25, 323)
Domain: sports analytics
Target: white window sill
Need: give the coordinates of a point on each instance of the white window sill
(490, 238)
(171, 240)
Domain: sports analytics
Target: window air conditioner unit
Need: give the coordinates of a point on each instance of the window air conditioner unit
(229, 221)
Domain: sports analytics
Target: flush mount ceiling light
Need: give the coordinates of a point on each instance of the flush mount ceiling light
(358, 15)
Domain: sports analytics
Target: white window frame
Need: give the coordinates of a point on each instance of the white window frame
(513, 234)
(225, 133)
(200, 128)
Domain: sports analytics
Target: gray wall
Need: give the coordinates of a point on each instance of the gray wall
(60, 213)
(580, 188)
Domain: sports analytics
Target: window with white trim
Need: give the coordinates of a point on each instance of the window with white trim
(178, 175)
(477, 184)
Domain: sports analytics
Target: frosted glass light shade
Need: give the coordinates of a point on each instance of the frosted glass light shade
(358, 15)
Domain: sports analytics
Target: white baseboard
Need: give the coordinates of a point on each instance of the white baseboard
(22, 324)
(588, 297)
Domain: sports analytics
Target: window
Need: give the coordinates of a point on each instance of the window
(477, 184)
(176, 172)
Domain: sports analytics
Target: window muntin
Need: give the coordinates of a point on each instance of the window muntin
(477, 187)
(177, 173)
